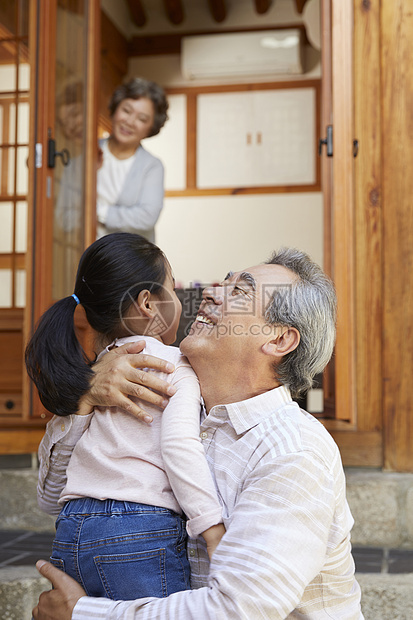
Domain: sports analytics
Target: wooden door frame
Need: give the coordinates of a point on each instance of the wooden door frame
(355, 231)
(23, 435)
(41, 215)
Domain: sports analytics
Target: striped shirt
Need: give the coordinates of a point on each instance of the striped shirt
(286, 552)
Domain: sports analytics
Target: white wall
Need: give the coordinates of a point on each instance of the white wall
(206, 237)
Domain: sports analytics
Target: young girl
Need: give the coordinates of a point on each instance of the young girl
(121, 531)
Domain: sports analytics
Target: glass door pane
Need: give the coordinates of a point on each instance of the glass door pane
(69, 135)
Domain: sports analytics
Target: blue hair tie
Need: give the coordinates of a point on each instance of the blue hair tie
(76, 298)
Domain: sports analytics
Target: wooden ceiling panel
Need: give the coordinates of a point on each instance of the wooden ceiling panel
(218, 10)
(300, 5)
(137, 12)
(262, 6)
(174, 11)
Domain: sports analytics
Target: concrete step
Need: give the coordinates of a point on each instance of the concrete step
(18, 502)
(385, 597)
(20, 588)
(382, 507)
(381, 503)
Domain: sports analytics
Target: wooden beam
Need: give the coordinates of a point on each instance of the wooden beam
(262, 6)
(343, 210)
(93, 66)
(11, 319)
(114, 62)
(326, 180)
(175, 11)
(359, 449)
(113, 45)
(396, 47)
(368, 216)
(218, 10)
(20, 441)
(300, 5)
(137, 12)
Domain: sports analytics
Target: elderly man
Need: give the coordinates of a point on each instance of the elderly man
(259, 337)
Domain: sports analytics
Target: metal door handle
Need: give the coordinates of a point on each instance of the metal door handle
(52, 154)
(327, 141)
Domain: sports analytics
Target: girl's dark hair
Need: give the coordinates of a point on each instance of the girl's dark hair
(137, 88)
(111, 274)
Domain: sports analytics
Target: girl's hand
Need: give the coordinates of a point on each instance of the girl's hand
(213, 536)
(119, 374)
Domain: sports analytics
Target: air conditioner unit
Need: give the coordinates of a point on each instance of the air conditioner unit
(267, 52)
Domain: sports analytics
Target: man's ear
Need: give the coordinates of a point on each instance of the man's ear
(285, 340)
(144, 304)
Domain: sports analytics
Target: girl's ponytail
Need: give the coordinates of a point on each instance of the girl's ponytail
(56, 362)
(111, 273)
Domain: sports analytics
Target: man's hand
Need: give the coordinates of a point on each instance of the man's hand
(118, 375)
(57, 604)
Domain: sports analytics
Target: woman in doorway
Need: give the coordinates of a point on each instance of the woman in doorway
(130, 184)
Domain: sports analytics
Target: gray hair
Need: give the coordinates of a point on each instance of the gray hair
(309, 304)
(138, 88)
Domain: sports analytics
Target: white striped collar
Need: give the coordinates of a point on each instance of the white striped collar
(248, 413)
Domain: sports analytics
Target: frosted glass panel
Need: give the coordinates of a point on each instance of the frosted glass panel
(285, 120)
(21, 226)
(24, 77)
(12, 124)
(10, 177)
(20, 291)
(22, 170)
(7, 74)
(6, 227)
(257, 139)
(5, 288)
(224, 140)
(23, 126)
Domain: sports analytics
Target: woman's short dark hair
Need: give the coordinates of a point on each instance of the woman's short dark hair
(137, 88)
(111, 274)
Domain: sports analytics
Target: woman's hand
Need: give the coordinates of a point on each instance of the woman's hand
(119, 374)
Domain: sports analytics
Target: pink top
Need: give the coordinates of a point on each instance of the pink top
(162, 464)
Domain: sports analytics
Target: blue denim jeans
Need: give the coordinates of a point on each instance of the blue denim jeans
(122, 550)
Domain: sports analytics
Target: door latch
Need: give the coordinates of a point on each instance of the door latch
(328, 141)
(52, 153)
